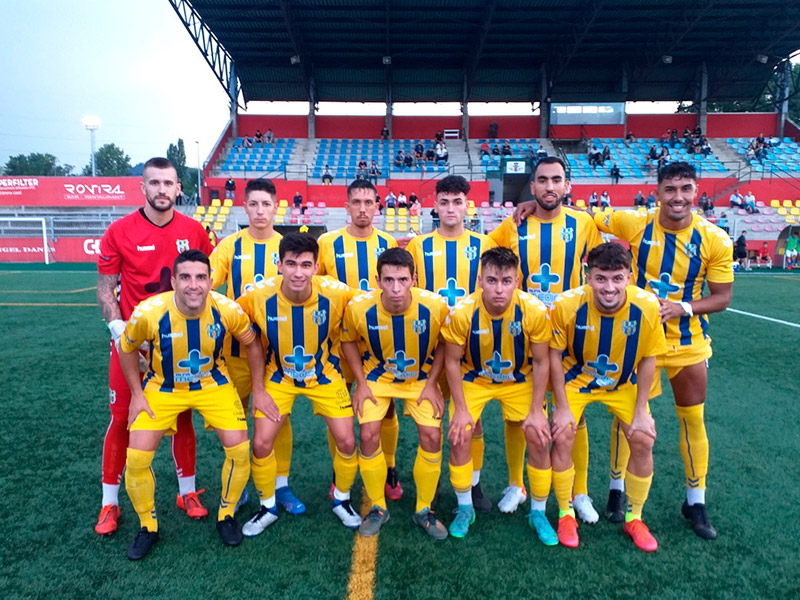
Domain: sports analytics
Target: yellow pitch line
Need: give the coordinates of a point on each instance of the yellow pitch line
(792, 277)
(365, 553)
(10, 272)
(48, 303)
(79, 290)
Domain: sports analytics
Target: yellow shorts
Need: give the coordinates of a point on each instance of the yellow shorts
(239, 371)
(410, 392)
(515, 400)
(676, 358)
(220, 407)
(445, 389)
(620, 403)
(329, 400)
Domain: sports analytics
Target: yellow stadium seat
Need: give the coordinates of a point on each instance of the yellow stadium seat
(216, 202)
(402, 212)
(797, 203)
(217, 226)
(471, 203)
(471, 210)
(283, 204)
(791, 219)
(794, 211)
(281, 210)
(580, 203)
(225, 210)
(389, 224)
(278, 220)
(390, 213)
(402, 226)
(227, 202)
(200, 210)
(415, 221)
(775, 203)
(788, 204)
(221, 218)
(198, 218)
(212, 210)
(783, 211)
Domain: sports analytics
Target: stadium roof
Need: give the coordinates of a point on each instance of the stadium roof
(493, 50)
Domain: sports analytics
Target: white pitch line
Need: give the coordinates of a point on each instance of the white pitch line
(755, 316)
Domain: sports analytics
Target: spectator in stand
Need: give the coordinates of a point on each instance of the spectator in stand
(540, 154)
(412, 199)
(327, 176)
(212, 235)
(507, 151)
(529, 152)
(605, 199)
(297, 202)
(385, 133)
(750, 203)
(484, 149)
(737, 201)
(595, 157)
(419, 157)
(723, 222)
(697, 146)
(792, 250)
(653, 155)
(399, 160)
(230, 189)
(663, 158)
(638, 199)
(419, 147)
(630, 137)
(698, 130)
(710, 208)
(673, 139)
(705, 146)
(651, 199)
(391, 200)
(702, 202)
(374, 172)
(180, 199)
(269, 137)
(594, 202)
(248, 142)
(441, 152)
(665, 137)
(362, 169)
(259, 138)
(492, 131)
(402, 200)
(496, 150)
(430, 155)
(567, 199)
(439, 137)
(615, 174)
(740, 251)
(413, 205)
(408, 161)
(687, 133)
(764, 256)
(606, 154)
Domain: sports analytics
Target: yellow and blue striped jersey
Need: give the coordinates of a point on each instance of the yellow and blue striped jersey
(449, 266)
(185, 353)
(497, 350)
(395, 348)
(301, 341)
(240, 261)
(674, 264)
(352, 260)
(551, 253)
(602, 352)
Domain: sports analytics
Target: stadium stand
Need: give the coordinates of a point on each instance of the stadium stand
(783, 155)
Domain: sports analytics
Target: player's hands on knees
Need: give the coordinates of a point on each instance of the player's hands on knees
(361, 394)
(562, 421)
(433, 394)
(538, 422)
(523, 211)
(643, 421)
(138, 405)
(669, 310)
(264, 403)
(461, 421)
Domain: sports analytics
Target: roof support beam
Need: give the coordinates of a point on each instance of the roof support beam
(387, 67)
(296, 38)
(576, 45)
(471, 66)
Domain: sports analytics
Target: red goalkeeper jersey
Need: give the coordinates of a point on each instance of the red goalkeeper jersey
(142, 253)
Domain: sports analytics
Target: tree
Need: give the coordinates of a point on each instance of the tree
(190, 182)
(111, 161)
(177, 154)
(36, 163)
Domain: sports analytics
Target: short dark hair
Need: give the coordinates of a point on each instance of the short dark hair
(452, 184)
(298, 243)
(610, 256)
(677, 170)
(260, 185)
(550, 160)
(500, 258)
(192, 255)
(396, 257)
(159, 162)
(361, 184)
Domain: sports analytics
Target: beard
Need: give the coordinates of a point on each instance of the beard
(549, 205)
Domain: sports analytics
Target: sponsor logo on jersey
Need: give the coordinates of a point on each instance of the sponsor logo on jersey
(298, 360)
(399, 365)
(600, 368)
(149, 248)
(663, 286)
(494, 367)
(194, 365)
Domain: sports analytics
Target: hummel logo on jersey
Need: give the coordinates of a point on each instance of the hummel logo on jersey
(651, 242)
(149, 248)
(530, 236)
(344, 255)
(183, 245)
(277, 319)
(433, 253)
(177, 334)
(242, 256)
(480, 332)
(378, 327)
(585, 327)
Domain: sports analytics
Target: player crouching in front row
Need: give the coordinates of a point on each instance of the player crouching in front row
(185, 330)
(606, 336)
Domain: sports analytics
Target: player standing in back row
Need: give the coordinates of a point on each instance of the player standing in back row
(136, 254)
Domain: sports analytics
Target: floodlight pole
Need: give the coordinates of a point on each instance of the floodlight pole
(233, 94)
(199, 189)
(702, 100)
(92, 124)
(544, 105)
(784, 73)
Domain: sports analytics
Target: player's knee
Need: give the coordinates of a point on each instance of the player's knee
(429, 439)
(564, 441)
(536, 447)
(262, 446)
(641, 443)
(346, 444)
(370, 437)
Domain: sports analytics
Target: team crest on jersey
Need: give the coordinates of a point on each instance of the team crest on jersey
(691, 249)
(319, 316)
(419, 326)
(379, 251)
(112, 396)
(183, 245)
(470, 252)
(567, 234)
(515, 328)
(275, 258)
(214, 330)
(629, 327)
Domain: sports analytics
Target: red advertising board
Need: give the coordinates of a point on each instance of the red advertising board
(70, 191)
(64, 249)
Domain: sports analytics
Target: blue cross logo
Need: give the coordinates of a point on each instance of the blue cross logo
(601, 367)
(400, 362)
(195, 363)
(545, 278)
(496, 364)
(452, 292)
(663, 286)
(298, 358)
(363, 285)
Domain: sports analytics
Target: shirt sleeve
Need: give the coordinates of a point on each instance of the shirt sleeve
(350, 323)
(720, 259)
(110, 260)
(220, 262)
(593, 238)
(558, 325)
(323, 255)
(537, 322)
(656, 339)
(245, 302)
(236, 320)
(502, 235)
(456, 326)
(137, 330)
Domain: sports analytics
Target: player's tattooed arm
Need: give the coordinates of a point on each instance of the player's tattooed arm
(106, 284)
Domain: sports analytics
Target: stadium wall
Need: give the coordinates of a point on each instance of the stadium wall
(283, 126)
(285, 189)
(507, 127)
(336, 195)
(727, 125)
(349, 127)
(70, 191)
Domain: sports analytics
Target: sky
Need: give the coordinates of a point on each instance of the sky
(133, 65)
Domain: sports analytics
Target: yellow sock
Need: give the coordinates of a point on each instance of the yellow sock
(476, 450)
(235, 473)
(694, 445)
(580, 460)
(283, 448)
(331, 444)
(515, 453)
(636, 489)
(373, 474)
(427, 469)
(141, 486)
(620, 451)
(264, 471)
(390, 429)
(461, 477)
(539, 480)
(345, 469)
(562, 487)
